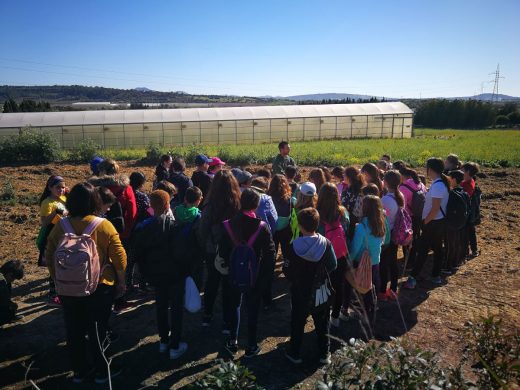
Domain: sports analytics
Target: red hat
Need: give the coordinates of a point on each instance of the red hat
(216, 161)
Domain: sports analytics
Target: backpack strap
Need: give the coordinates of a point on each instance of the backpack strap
(92, 226)
(227, 226)
(253, 238)
(67, 227)
(410, 188)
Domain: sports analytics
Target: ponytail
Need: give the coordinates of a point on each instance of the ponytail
(392, 180)
(51, 182)
(410, 173)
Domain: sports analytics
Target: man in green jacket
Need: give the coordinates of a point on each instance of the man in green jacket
(283, 160)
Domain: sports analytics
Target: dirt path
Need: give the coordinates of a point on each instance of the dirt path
(434, 316)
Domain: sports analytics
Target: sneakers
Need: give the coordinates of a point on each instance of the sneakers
(54, 301)
(163, 347)
(411, 283)
(447, 271)
(382, 297)
(474, 254)
(293, 358)
(435, 280)
(391, 295)
(121, 307)
(177, 353)
(344, 316)
(81, 377)
(226, 330)
(206, 320)
(102, 378)
(334, 322)
(326, 359)
(232, 347)
(252, 351)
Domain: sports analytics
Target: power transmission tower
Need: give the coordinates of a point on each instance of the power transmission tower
(496, 73)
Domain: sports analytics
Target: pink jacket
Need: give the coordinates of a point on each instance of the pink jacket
(409, 194)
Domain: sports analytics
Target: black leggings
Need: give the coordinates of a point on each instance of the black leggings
(388, 268)
(338, 280)
(432, 237)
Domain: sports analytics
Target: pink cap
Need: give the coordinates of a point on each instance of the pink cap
(216, 161)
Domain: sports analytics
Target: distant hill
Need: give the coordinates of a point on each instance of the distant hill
(66, 94)
(330, 96)
(489, 96)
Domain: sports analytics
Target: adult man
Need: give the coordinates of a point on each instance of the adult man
(283, 160)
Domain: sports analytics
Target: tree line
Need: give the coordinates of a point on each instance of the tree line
(341, 101)
(27, 105)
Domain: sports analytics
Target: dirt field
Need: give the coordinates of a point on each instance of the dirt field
(434, 316)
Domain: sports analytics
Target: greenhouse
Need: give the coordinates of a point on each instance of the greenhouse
(225, 125)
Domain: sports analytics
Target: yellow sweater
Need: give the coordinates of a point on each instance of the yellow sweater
(108, 244)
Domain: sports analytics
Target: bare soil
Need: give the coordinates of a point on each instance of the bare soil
(434, 316)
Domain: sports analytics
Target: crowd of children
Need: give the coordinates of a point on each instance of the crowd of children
(223, 227)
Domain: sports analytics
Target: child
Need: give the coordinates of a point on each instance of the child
(162, 170)
(52, 209)
(372, 175)
(200, 177)
(179, 179)
(283, 160)
(111, 208)
(137, 180)
(454, 238)
(371, 234)
(215, 166)
(351, 197)
(470, 170)
(334, 223)
(326, 173)
(266, 210)
(451, 163)
(311, 258)
(244, 178)
(388, 160)
(317, 177)
(153, 249)
(337, 175)
(264, 172)
(170, 189)
(246, 227)
(290, 173)
(392, 202)
(10, 271)
(188, 214)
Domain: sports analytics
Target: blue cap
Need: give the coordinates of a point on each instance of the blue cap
(94, 164)
(202, 159)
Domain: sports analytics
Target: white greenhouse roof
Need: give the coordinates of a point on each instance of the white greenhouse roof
(71, 118)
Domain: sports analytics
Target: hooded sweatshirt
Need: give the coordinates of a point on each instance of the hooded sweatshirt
(184, 214)
(304, 257)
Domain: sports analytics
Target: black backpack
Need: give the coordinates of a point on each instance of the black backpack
(457, 211)
(115, 215)
(418, 200)
(474, 215)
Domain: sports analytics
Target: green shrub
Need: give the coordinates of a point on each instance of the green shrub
(229, 375)
(153, 153)
(86, 150)
(29, 147)
(8, 192)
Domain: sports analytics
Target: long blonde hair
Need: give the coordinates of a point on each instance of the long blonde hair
(303, 201)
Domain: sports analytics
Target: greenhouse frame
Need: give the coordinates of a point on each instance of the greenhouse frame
(222, 125)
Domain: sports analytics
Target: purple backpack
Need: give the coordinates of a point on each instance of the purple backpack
(402, 233)
(243, 263)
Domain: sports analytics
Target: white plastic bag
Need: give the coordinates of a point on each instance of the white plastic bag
(192, 301)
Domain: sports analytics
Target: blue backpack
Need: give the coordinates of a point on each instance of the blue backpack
(243, 263)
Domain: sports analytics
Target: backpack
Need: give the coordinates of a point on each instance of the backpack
(184, 246)
(360, 278)
(76, 261)
(336, 235)
(243, 263)
(321, 287)
(295, 228)
(418, 200)
(474, 201)
(402, 233)
(115, 216)
(457, 211)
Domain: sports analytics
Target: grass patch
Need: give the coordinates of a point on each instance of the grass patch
(487, 147)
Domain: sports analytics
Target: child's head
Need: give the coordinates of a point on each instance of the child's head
(329, 205)
(193, 196)
(291, 172)
(326, 173)
(55, 188)
(371, 173)
(470, 169)
(306, 196)
(337, 173)
(409, 173)
(202, 162)
(264, 172)
(216, 165)
(386, 157)
(160, 202)
(452, 162)
(399, 164)
(382, 165)
(107, 199)
(249, 200)
(284, 148)
(456, 177)
(179, 165)
(373, 211)
(83, 200)
(94, 163)
(354, 179)
(166, 161)
(308, 220)
(244, 178)
(12, 270)
(137, 180)
(260, 183)
(168, 187)
(108, 167)
(279, 188)
(392, 179)
(434, 167)
(317, 177)
(370, 189)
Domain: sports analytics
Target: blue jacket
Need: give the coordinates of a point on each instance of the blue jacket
(357, 246)
(267, 212)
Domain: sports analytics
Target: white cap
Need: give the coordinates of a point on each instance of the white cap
(308, 189)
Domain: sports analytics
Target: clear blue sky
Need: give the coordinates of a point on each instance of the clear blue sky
(387, 48)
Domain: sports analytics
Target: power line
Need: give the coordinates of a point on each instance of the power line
(494, 96)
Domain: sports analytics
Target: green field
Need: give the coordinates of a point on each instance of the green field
(487, 147)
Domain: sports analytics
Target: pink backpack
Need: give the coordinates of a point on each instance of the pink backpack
(76, 261)
(402, 233)
(336, 235)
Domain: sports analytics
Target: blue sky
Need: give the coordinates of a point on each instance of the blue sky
(386, 48)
